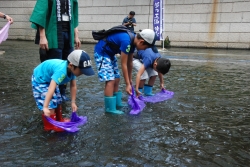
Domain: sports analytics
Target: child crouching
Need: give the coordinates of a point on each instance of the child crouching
(47, 77)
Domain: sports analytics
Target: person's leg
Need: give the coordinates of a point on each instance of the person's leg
(106, 74)
(67, 49)
(137, 65)
(58, 109)
(117, 93)
(39, 93)
(57, 54)
(151, 80)
(149, 87)
(54, 54)
(43, 54)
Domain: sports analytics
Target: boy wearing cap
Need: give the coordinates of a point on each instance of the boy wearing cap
(149, 64)
(51, 73)
(107, 67)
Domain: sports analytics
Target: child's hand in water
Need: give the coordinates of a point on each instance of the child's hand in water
(138, 93)
(46, 111)
(73, 106)
(162, 86)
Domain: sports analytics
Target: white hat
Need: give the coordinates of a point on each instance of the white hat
(148, 35)
(82, 60)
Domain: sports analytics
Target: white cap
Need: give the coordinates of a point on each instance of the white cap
(148, 35)
(81, 59)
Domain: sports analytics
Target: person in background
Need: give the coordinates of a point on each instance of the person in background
(130, 21)
(56, 22)
(51, 73)
(7, 17)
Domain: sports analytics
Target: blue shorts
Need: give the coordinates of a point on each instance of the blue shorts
(107, 68)
(39, 93)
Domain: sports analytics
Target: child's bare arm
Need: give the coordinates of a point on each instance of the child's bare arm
(130, 66)
(138, 79)
(161, 80)
(43, 40)
(73, 90)
(49, 94)
(124, 66)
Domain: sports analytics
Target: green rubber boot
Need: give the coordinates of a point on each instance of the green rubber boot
(110, 105)
(118, 96)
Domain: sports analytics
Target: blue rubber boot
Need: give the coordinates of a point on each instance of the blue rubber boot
(148, 90)
(110, 105)
(141, 90)
(118, 96)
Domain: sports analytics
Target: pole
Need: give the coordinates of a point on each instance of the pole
(163, 24)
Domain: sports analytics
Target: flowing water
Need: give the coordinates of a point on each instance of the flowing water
(207, 123)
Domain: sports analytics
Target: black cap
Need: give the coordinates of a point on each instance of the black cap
(163, 65)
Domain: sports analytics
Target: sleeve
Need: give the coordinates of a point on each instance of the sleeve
(125, 44)
(134, 21)
(124, 21)
(75, 13)
(39, 13)
(58, 77)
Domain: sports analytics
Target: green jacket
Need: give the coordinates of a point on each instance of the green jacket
(45, 15)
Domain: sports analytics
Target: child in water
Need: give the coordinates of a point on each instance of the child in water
(148, 63)
(46, 79)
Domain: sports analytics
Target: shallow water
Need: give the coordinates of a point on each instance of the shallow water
(205, 124)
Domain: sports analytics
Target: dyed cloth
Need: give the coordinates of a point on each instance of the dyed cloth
(71, 126)
(158, 97)
(138, 104)
(4, 32)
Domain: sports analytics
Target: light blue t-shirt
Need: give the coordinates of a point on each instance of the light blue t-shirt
(147, 57)
(53, 69)
(121, 39)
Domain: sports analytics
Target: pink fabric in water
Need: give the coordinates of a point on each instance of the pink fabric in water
(4, 32)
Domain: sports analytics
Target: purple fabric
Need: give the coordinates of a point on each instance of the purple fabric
(4, 32)
(158, 97)
(136, 104)
(71, 126)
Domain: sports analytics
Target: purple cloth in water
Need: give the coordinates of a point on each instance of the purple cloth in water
(4, 32)
(136, 104)
(158, 97)
(71, 126)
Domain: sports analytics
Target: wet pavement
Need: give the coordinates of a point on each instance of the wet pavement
(207, 123)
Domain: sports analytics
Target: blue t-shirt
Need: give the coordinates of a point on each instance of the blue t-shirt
(53, 69)
(126, 20)
(122, 39)
(147, 57)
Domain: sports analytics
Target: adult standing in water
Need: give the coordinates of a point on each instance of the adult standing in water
(56, 22)
(130, 21)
